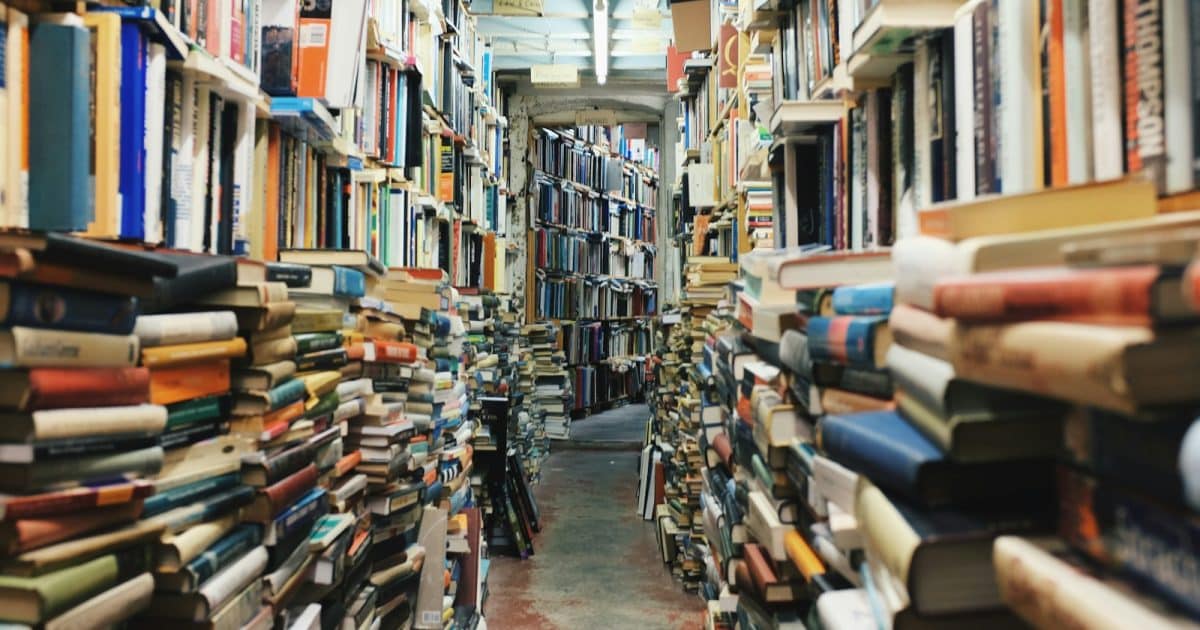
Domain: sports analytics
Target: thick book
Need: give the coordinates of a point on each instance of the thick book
(256, 295)
(36, 347)
(169, 385)
(338, 281)
(1131, 295)
(41, 306)
(26, 477)
(62, 424)
(110, 607)
(20, 535)
(294, 275)
(189, 493)
(919, 546)
(71, 500)
(356, 259)
(271, 500)
(39, 451)
(66, 249)
(860, 341)
(864, 299)
(33, 600)
(990, 435)
(1048, 586)
(881, 445)
(263, 377)
(185, 328)
(174, 551)
(1120, 368)
(268, 317)
(1071, 206)
(262, 469)
(59, 128)
(299, 517)
(202, 410)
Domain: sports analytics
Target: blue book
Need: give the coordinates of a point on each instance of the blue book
(349, 282)
(846, 340)
(895, 456)
(218, 555)
(60, 187)
(286, 392)
(134, 59)
(189, 493)
(62, 308)
(864, 299)
(301, 515)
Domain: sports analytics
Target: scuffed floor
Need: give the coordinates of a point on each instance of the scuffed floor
(596, 564)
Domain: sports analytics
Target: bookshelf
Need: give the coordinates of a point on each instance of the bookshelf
(592, 251)
(882, 166)
(296, 215)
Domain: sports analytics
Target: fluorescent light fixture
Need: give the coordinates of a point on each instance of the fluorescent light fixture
(600, 39)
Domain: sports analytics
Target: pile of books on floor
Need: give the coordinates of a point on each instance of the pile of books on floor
(552, 387)
(854, 432)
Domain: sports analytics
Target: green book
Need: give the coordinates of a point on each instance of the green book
(316, 341)
(34, 599)
(195, 411)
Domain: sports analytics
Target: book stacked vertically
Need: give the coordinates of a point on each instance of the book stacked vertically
(79, 430)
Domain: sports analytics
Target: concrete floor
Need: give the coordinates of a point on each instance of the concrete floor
(623, 424)
(595, 563)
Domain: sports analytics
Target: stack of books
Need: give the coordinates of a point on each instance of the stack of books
(552, 385)
(80, 429)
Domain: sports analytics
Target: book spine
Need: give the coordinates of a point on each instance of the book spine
(315, 342)
(192, 434)
(1105, 57)
(290, 489)
(186, 495)
(1158, 547)
(91, 445)
(301, 515)
(237, 576)
(863, 300)
(222, 553)
(963, 59)
(984, 156)
(286, 393)
(1121, 291)
(287, 463)
(349, 282)
(1056, 84)
(846, 339)
(56, 388)
(193, 352)
(195, 411)
(1145, 131)
(1177, 97)
(185, 328)
(34, 347)
(57, 424)
(69, 309)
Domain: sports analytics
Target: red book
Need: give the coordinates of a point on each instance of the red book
(1118, 295)
(60, 388)
(73, 500)
(26, 534)
(395, 352)
(275, 498)
(347, 463)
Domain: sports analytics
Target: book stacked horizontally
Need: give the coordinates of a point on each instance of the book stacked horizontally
(1101, 319)
(552, 386)
(79, 429)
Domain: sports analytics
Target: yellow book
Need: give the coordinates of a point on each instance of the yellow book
(106, 157)
(206, 351)
(1087, 204)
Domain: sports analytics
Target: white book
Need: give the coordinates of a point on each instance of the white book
(1020, 113)
(847, 609)
(200, 149)
(1076, 51)
(243, 178)
(108, 608)
(1108, 150)
(230, 581)
(156, 87)
(964, 101)
(178, 328)
(922, 175)
(1177, 98)
(309, 619)
(6, 185)
(346, 38)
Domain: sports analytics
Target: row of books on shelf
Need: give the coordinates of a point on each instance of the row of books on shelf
(577, 297)
(628, 141)
(593, 342)
(560, 154)
(561, 204)
(934, 131)
(557, 250)
(607, 383)
(181, 156)
(206, 439)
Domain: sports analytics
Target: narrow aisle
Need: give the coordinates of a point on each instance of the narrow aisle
(596, 564)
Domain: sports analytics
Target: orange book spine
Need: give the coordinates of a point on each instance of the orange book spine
(193, 352)
(184, 382)
(271, 199)
(1057, 85)
(314, 49)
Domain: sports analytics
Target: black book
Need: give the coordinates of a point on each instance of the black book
(294, 275)
(96, 255)
(197, 275)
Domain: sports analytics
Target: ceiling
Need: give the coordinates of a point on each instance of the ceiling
(563, 34)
